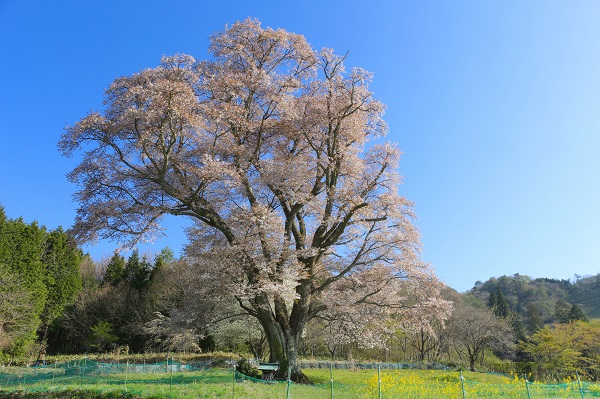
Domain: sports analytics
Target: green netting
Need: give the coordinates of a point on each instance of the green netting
(239, 377)
(89, 369)
(571, 389)
(185, 380)
(521, 389)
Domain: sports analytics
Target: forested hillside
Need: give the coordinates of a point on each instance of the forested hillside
(539, 301)
(586, 293)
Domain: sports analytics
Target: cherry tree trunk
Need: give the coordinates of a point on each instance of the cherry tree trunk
(283, 336)
(283, 348)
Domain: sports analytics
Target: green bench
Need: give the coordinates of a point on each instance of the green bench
(268, 370)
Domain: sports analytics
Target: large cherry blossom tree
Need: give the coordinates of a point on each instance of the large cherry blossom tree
(268, 147)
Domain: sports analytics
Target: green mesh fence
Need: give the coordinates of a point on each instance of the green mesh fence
(91, 370)
(520, 388)
(175, 380)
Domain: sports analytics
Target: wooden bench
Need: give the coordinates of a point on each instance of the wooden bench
(268, 370)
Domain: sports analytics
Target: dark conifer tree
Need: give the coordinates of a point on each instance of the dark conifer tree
(498, 303)
(576, 313)
(562, 312)
(115, 270)
(137, 271)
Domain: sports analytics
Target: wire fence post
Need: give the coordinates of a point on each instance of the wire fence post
(54, 372)
(580, 386)
(527, 387)
(171, 382)
(126, 371)
(462, 385)
(379, 380)
(289, 382)
(331, 378)
(82, 374)
(233, 382)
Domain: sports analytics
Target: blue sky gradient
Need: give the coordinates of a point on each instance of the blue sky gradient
(494, 104)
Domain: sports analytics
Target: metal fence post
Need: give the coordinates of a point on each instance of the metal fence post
(171, 382)
(289, 382)
(379, 380)
(580, 386)
(82, 371)
(462, 385)
(527, 387)
(331, 378)
(126, 371)
(233, 382)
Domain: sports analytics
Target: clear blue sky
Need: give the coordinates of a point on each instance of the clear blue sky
(494, 103)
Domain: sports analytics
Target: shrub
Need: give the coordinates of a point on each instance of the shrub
(246, 368)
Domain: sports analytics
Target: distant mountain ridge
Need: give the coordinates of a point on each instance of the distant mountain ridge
(586, 293)
(538, 301)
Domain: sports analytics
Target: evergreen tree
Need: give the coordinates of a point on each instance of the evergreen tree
(576, 313)
(16, 310)
(166, 256)
(115, 270)
(498, 303)
(493, 299)
(21, 246)
(562, 312)
(43, 268)
(61, 259)
(137, 271)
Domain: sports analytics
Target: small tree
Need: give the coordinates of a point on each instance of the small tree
(240, 334)
(555, 349)
(472, 331)
(102, 336)
(164, 334)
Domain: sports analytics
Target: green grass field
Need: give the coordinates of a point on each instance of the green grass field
(219, 383)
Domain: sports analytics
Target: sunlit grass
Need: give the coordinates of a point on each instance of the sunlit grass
(347, 384)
